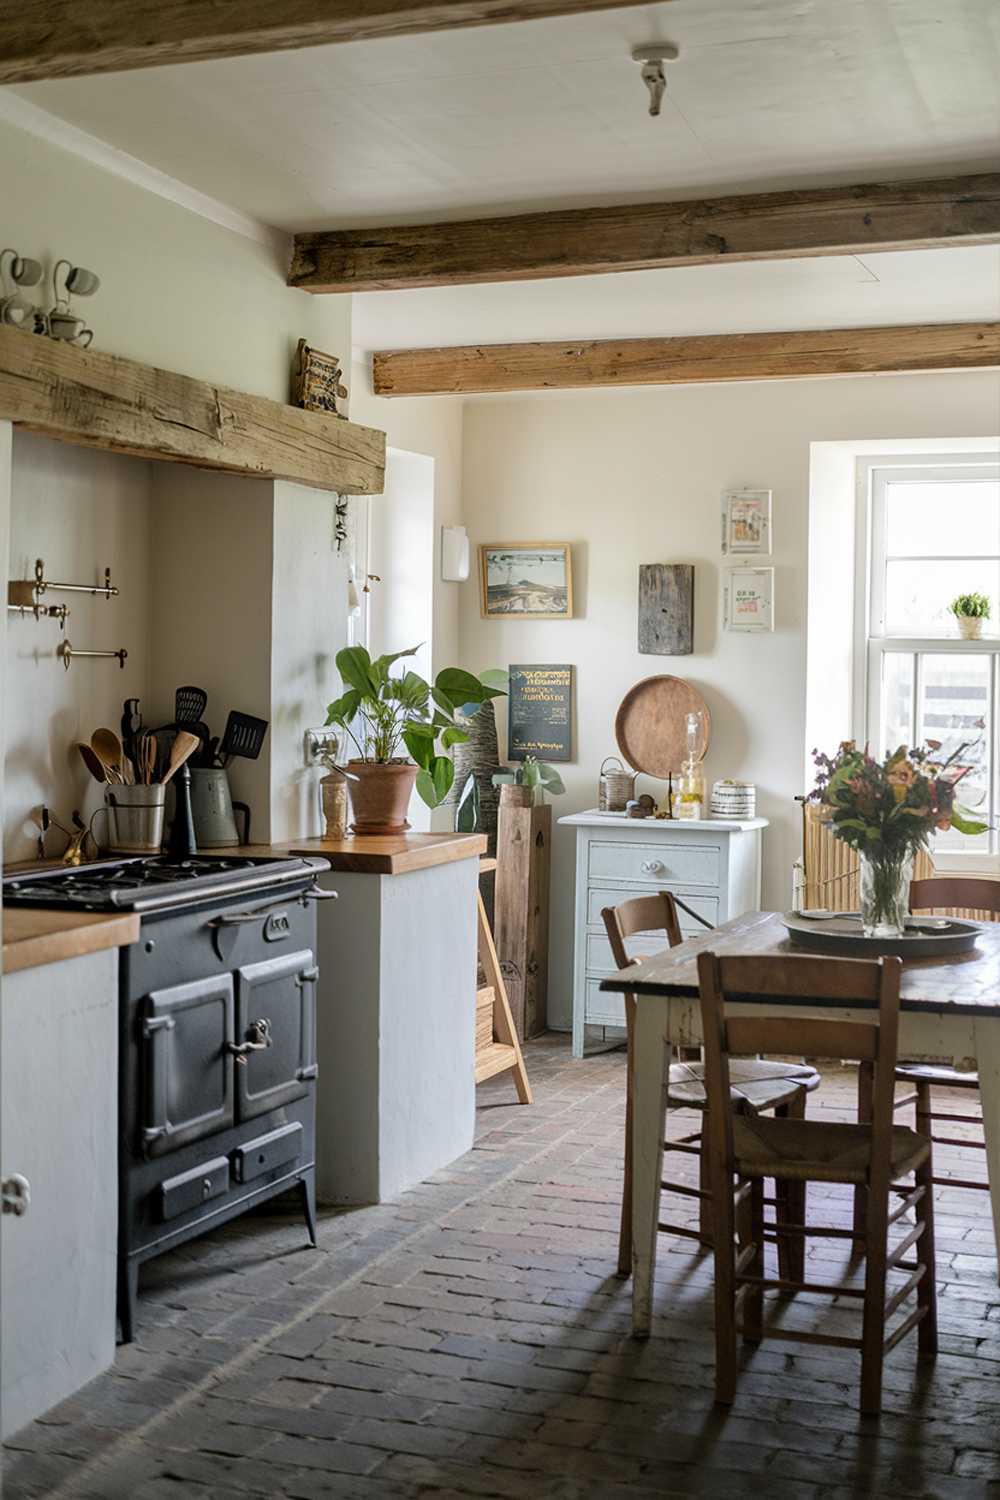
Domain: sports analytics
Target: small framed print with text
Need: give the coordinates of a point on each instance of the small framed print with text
(746, 522)
(749, 599)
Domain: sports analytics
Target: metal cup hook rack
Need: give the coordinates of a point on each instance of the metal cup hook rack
(45, 585)
(68, 653)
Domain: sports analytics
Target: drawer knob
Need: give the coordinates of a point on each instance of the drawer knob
(652, 866)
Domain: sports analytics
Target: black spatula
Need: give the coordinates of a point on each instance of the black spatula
(244, 736)
(189, 704)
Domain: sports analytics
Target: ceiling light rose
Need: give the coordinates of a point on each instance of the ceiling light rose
(652, 56)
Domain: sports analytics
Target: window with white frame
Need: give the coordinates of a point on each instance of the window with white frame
(933, 532)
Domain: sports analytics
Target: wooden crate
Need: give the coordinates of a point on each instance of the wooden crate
(524, 837)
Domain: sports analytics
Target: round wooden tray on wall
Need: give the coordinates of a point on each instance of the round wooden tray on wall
(651, 724)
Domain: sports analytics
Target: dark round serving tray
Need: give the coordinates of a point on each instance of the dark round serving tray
(843, 936)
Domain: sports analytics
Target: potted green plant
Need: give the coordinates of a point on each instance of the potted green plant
(970, 610)
(403, 729)
(527, 783)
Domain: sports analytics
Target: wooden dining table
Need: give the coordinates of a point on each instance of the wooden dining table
(949, 1007)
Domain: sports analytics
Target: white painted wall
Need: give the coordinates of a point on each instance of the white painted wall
(177, 290)
(79, 510)
(635, 476)
(430, 425)
(308, 626)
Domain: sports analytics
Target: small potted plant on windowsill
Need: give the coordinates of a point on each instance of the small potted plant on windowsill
(386, 715)
(970, 610)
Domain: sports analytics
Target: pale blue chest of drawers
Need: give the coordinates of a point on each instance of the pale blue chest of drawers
(713, 864)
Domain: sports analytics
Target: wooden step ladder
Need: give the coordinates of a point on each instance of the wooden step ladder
(497, 1047)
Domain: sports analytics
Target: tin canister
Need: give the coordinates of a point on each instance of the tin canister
(615, 786)
(135, 815)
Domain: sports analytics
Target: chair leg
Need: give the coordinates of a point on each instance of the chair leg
(726, 1347)
(790, 1200)
(705, 1221)
(866, 1101)
(923, 1109)
(927, 1332)
(752, 1217)
(625, 1231)
(873, 1326)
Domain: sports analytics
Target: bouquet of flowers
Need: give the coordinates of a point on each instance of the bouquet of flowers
(887, 811)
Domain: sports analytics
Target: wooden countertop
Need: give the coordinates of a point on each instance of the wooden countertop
(385, 854)
(33, 936)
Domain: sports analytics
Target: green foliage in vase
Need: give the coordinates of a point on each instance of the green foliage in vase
(385, 713)
(970, 607)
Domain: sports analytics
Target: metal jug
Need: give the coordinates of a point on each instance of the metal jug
(213, 810)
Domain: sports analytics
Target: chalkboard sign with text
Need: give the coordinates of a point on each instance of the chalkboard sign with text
(540, 713)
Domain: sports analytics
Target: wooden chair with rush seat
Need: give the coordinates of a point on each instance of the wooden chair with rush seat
(756, 1085)
(872, 1156)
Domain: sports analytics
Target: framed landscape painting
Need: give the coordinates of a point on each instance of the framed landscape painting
(526, 580)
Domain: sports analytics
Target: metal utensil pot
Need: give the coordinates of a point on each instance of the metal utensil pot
(213, 810)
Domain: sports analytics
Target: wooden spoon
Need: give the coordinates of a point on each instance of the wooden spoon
(92, 761)
(108, 749)
(184, 746)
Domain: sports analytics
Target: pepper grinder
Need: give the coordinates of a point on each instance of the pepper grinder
(182, 841)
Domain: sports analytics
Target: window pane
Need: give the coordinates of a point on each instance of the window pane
(917, 594)
(955, 708)
(934, 519)
(897, 700)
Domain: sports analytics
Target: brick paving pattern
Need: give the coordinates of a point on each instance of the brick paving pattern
(471, 1339)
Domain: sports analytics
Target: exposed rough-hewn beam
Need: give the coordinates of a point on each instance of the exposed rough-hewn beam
(68, 38)
(104, 401)
(478, 369)
(645, 236)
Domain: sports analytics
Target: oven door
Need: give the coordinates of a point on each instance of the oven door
(187, 1038)
(275, 1032)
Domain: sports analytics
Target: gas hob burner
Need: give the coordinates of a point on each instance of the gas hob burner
(152, 883)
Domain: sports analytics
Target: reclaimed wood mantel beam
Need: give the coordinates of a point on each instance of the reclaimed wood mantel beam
(104, 401)
(648, 236)
(71, 38)
(484, 368)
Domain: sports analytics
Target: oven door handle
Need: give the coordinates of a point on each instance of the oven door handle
(235, 918)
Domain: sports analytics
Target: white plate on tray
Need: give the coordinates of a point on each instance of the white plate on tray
(932, 937)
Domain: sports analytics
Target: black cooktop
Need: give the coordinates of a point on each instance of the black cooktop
(150, 883)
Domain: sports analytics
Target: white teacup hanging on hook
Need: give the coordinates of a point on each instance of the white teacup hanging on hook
(61, 322)
(16, 309)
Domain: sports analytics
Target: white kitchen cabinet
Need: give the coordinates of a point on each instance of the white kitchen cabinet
(713, 864)
(59, 1126)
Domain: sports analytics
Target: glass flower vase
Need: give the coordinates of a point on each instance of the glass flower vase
(885, 893)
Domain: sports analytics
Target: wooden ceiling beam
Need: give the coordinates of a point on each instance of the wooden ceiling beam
(647, 236)
(490, 368)
(71, 38)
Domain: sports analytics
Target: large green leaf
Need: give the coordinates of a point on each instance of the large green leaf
(497, 678)
(434, 783)
(461, 687)
(970, 826)
(355, 667)
(383, 663)
(344, 709)
(413, 691)
(453, 736)
(420, 746)
(551, 780)
(467, 810)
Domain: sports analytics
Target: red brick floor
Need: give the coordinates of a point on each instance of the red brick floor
(471, 1339)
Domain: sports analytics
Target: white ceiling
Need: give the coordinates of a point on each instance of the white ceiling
(928, 286)
(547, 114)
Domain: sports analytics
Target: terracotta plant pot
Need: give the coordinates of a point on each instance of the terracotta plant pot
(970, 627)
(381, 795)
